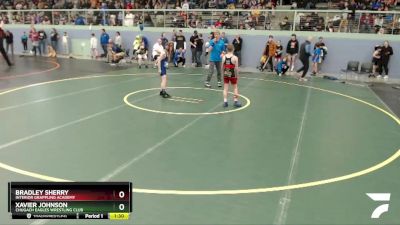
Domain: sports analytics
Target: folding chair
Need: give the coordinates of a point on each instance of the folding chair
(352, 66)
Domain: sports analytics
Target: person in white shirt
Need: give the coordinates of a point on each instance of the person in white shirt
(118, 39)
(157, 49)
(129, 19)
(65, 40)
(185, 5)
(93, 47)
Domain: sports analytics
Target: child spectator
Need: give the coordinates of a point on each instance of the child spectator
(179, 57)
(65, 44)
(282, 66)
(317, 58)
(142, 53)
(93, 47)
(24, 41)
(376, 58)
(278, 52)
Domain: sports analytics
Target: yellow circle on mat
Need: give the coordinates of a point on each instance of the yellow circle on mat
(248, 102)
(368, 170)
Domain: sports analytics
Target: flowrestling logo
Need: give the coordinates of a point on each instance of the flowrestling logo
(380, 197)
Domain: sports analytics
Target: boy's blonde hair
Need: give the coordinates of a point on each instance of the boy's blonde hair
(230, 48)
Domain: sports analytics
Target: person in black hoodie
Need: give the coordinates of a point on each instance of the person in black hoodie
(9, 42)
(386, 52)
(292, 50)
(237, 44)
(2, 50)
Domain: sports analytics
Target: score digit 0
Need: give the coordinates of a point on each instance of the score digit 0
(121, 194)
(121, 207)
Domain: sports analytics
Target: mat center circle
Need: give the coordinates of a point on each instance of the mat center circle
(185, 101)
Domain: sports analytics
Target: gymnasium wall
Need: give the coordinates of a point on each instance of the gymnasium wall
(342, 47)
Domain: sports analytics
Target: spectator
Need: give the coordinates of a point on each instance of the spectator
(116, 53)
(180, 41)
(65, 43)
(386, 53)
(285, 24)
(324, 52)
(9, 42)
(269, 51)
(129, 18)
(378, 22)
(317, 58)
(136, 45)
(366, 23)
(282, 66)
(118, 39)
(24, 41)
(376, 60)
(157, 49)
(173, 36)
(110, 47)
(170, 51)
(164, 40)
(224, 39)
(80, 20)
(179, 57)
(93, 47)
(231, 4)
(292, 49)
(193, 48)
(185, 5)
(237, 44)
(104, 42)
(199, 50)
(54, 39)
(34, 36)
(278, 52)
(142, 55)
(42, 40)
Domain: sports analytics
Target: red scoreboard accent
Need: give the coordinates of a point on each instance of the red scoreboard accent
(70, 200)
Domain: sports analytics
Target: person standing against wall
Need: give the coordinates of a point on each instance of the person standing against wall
(164, 40)
(237, 44)
(93, 47)
(386, 52)
(305, 53)
(324, 52)
(10, 42)
(193, 48)
(292, 49)
(271, 50)
(54, 39)
(199, 50)
(24, 41)
(65, 44)
(316, 59)
(180, 42)
(42, 41)
(118, 39)
(34, 36)
(216, 49)
(225, 39)
(104, 42)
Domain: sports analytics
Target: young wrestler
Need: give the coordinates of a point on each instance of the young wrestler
(161, 62)
(230, 65)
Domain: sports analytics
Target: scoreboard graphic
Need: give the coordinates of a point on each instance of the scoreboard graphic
(70, 200)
